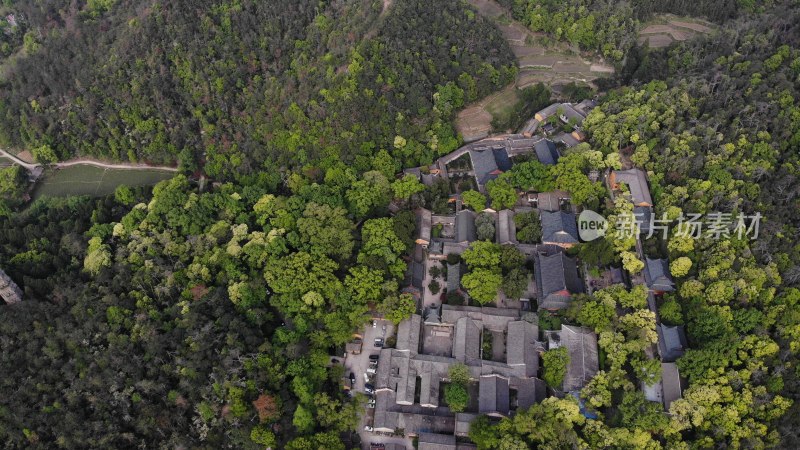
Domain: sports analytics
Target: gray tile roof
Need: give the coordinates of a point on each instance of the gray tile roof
(465, 226)
(671, 382)
(559, 227)
(431, 441)
(484, 165)
(569, 112)
(463, 421)
(643, 216)
(382, 375)
(657, 276)
(581, 344)
(529, 391)
(424, 226)
(520, 348)
(453, 277)
(467, 341)
(493, 395)
(557, 279)
(546, 152)
(636, 180)
(506, 228)
(549, 111)
(408, 334)
(501, 158)
(671, 342)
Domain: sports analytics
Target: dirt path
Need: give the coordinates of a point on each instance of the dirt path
(16, 160)
(91, 162)
(88, 162)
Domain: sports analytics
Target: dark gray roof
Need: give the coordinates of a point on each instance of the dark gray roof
(463, 421)
(529, 391)
(506, 228)
(671, 342)
(520, 348)
(453, 277)
(493, 395)
(556, 278)
(617, 276)
(546, 152)
(501, 159)
(415, 275)
(467, 341)
(671, 382)
(549, 111)
(484, 165)
(643, 216)
(657, 276)
(636, 180)
(465, 226)
(581, 344)
(435, 441)
(408, 334)
(424, 219)
(570, 112)
(559, 227)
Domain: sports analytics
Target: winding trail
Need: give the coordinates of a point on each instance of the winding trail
(88, 162)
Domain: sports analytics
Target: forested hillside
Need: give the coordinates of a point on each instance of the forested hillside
(180, 317)
(177, 318)
(232, 86)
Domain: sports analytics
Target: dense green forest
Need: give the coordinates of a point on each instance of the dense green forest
(175, 317)
(178, 318)
(238, 87)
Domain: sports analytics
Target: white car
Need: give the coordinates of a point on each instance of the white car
(372, 370)
(368, 428)
(374, 324)
(366, 378)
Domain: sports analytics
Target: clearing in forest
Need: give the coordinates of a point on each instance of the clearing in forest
(540, 59)
(665, 29)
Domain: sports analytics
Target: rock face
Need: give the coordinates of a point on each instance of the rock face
(9, 291)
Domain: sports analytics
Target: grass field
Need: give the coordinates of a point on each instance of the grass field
(95, 181)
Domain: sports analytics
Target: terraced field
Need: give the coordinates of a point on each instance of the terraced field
(666, 29)
(540, 59)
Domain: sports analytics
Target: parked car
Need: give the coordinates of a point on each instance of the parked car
(369, 388)
(366, 378)
(352, 379)
(368, 428)
(379, 342)
(372, 370)
(374, 357)
(371, 403)
(374, 324)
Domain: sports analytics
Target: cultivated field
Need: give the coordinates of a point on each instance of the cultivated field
(666, 29)
(95, 181)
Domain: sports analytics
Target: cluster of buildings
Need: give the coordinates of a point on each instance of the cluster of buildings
(501, 345)
(411, 378)
(10, 293)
